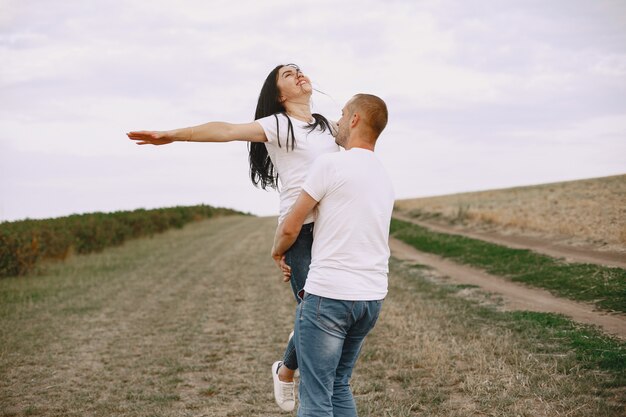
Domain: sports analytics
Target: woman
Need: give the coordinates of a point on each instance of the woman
(284, 140)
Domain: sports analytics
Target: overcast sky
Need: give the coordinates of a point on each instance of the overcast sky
(481, 94)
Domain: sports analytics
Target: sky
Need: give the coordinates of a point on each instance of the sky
(481, 94)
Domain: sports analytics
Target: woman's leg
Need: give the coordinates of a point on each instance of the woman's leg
(298, 257)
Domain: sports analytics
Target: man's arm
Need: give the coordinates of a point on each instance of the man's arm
(289, 229)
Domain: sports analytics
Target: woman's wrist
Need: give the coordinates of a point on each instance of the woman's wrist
(180, 135)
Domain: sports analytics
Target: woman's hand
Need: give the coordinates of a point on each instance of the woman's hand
(147, 137)
(285, 269)
(279, 260)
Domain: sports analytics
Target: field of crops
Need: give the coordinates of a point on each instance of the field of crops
(23, 244)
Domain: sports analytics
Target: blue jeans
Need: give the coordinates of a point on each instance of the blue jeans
(329, 335)
(298, 257)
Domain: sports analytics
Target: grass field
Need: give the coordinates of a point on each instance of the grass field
(187, 323)
(587, 212)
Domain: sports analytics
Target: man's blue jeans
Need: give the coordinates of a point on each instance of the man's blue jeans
(298, 257)
(329, 335)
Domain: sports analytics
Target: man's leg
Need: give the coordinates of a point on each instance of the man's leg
(321, 326)
(364, 316)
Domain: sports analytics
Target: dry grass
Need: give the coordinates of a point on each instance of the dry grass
(188, 323)
(587, 212)
(181, 324)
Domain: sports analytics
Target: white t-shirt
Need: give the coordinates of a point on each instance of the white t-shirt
(350, 252)
(292, 165)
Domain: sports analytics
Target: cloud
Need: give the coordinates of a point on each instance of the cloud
(477, 90)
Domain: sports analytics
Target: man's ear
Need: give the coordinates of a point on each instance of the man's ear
(355, 119)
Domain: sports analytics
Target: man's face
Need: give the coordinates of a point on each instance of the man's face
(343, 126)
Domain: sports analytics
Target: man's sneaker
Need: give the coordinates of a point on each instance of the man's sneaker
(283, 391)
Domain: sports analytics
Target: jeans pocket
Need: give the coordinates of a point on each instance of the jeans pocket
(299, 308)
(334, 315)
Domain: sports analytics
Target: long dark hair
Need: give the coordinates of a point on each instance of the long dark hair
(262, 171)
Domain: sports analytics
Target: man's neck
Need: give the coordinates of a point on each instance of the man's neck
(361, 143)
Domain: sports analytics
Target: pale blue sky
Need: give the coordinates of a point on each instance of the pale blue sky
(481, 94)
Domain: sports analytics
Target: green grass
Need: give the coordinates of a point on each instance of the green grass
(603, 286)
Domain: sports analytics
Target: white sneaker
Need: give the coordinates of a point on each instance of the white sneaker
(283, 391)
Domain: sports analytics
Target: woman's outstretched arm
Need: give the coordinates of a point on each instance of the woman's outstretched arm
(208, 132)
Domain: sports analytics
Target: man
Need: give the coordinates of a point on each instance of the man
(347, 280)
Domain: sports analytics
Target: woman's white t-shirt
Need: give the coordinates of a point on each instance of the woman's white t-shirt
(292, 165)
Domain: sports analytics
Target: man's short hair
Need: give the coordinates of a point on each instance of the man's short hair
(373, 110)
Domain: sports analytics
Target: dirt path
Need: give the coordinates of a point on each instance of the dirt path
(515, 296)
(569, 253)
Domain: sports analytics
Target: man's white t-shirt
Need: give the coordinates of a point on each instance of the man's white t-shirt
(292, 165)
(350, 252)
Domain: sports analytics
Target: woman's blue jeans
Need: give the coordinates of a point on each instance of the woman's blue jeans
(329, 335)
(298, 257)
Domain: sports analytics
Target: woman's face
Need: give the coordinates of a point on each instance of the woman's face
(292, 83)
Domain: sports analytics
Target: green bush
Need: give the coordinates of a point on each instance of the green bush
(24, 243)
